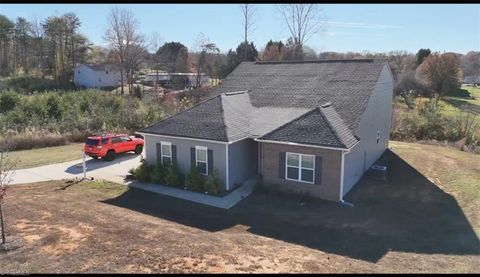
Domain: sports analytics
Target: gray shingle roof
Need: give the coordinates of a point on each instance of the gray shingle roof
(279, 93)
(320, 126)
(346, 83)
(204, 120)
(102, 67)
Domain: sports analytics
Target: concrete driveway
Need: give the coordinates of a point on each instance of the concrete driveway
(114, 171)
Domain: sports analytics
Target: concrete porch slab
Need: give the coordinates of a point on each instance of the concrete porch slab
(225, 202)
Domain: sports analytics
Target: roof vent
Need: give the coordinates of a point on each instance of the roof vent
(236, 92)
(328, 104)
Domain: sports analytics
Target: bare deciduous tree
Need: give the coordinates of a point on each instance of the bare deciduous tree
(121, 36)
(303, 21)
(203, 48)
(155, 41)
(7, 169)
(248, 12)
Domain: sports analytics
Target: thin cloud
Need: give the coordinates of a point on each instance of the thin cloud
(344, 24)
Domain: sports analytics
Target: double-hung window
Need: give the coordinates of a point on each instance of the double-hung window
(201, 160)
(300, 167)
(166, 153)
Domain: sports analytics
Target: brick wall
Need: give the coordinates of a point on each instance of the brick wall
(331, 170)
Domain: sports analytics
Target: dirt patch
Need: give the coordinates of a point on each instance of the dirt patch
(90, 229)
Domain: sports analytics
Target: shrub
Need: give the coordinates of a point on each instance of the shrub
(214, 183)
(194, 180)
(157, 175)
(143, 171)
(173, 177)
(8, 101)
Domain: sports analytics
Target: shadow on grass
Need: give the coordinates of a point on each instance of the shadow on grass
(407, 213)
(462, 93)
(463, 104)
(93, 164)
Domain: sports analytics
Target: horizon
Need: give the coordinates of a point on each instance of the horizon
(372, 28)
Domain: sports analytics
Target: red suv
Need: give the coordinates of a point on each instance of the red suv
(109, 145)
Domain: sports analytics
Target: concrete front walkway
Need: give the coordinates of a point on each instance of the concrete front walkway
(225, 202)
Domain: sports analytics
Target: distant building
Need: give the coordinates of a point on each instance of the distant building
(97, 76)
(188, 79)
(472, 80)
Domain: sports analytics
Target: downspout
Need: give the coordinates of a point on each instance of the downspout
(227, 181)
(342, 173)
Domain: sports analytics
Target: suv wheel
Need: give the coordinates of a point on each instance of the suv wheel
(110, 155)
(138, 149)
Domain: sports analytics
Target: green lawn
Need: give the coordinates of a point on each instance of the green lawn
(48, 155)
(453, 171)
(462, 100)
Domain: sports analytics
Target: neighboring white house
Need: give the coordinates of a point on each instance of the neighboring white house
(190, 79)
(96, 76)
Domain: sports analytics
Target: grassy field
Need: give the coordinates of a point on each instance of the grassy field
(48, 155)
(424, 218)
(453, 171)
(464, 99)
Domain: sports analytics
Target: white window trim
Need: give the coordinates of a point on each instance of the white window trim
(162, 143)
(299, 168)
(206, 158)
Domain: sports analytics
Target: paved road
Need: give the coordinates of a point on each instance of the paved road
(114, 171)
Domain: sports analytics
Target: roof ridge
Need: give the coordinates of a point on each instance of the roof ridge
(225, 99)
(335, 132)
(321, 61)
(225, 127)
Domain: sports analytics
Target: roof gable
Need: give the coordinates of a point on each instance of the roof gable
(320, 126)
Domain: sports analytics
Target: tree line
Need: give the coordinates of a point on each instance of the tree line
(54, 46)
(51, 47)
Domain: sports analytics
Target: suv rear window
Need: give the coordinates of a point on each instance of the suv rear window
(104, 140)
(91, 142)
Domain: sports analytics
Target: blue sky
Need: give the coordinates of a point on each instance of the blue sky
(351, 27)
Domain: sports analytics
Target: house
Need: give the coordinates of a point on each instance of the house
(187, 79)
(97, 76)
(309, 127)
(472, 80)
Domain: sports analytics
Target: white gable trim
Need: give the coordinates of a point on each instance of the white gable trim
(184, 138)
(307, 145)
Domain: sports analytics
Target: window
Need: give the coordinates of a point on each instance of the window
(116, 140)
(78, 71)
(104, 140)
(201, 159)
(166, 153)
(300, 167)
(378, 136)
(106, 72)
(125, 138)
(92, 142)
